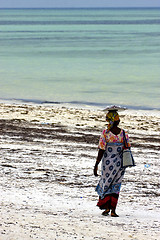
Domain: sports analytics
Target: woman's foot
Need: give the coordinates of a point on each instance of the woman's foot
(113, 214)
(106, 212)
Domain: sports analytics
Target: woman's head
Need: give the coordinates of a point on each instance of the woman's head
(113, 118)
(116, 123)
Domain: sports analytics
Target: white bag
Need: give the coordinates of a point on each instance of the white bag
(127, 158)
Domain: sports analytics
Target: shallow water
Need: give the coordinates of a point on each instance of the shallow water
(94, 56)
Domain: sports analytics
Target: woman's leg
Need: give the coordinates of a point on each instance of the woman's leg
(105, 203)
(107, 206)
(114, 201)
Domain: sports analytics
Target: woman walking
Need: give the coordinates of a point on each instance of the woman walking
(110, 146)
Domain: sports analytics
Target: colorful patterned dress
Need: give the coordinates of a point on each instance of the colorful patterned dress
(112, 173)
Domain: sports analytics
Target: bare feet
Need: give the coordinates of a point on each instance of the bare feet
(106, 212)
(113, 214)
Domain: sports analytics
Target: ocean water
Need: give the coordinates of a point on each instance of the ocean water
(81, 56)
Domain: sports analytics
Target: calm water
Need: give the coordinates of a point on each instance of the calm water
(99, 56)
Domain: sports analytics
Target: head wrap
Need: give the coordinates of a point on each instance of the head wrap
(111, 117)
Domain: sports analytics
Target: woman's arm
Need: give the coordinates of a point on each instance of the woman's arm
(126, 140)
(99, 157)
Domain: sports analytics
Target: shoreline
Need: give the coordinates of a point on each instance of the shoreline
(46, 176)
(74, 104)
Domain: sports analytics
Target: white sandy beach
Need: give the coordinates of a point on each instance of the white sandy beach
(46, 175)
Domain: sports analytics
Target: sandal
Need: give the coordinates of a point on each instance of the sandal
(106, 212)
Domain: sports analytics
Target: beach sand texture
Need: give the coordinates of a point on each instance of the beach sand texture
(47, 185)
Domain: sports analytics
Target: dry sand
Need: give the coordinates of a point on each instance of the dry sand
(46, 175)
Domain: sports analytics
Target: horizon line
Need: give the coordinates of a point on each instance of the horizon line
(78, 7)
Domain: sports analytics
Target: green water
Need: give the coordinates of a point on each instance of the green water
(94, 56)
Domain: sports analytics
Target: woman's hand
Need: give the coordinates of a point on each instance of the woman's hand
(95, 170)
(99, 157)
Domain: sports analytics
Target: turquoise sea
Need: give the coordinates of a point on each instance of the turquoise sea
(87, 56)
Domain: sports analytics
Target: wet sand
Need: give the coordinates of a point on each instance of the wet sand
(46, 174)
